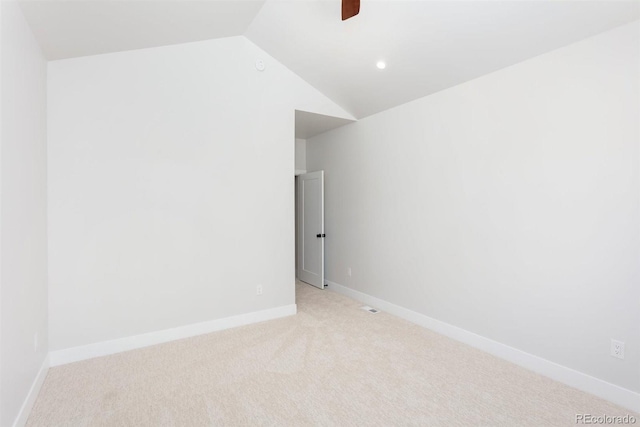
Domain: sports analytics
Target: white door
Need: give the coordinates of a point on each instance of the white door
(311, 228)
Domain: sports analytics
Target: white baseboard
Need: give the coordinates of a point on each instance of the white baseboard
(105, 348)
(27, 405)
(611, 392)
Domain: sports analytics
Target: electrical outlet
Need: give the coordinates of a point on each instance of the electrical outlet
(617, 349)
(259, 290)
(35, 342)
(349, 271)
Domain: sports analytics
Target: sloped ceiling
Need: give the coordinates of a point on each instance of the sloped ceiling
(427, 45)
(71, 28)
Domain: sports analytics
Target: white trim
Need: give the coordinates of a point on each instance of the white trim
(611, 392)
(28, 403)
(105, 348)
(300, 171)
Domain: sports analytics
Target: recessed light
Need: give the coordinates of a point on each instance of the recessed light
(381, 65)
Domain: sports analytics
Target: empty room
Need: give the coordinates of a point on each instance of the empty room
(319, 213)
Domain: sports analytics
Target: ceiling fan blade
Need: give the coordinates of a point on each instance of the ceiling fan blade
(350, 8)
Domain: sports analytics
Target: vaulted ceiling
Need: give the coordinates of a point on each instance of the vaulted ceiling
(71, 28)
(427, 45)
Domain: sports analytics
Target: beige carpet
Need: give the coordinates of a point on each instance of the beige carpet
(332, 364)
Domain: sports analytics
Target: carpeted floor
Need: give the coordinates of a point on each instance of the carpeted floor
(332, 364)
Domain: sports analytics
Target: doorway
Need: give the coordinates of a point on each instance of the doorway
(310, 233)
(309, 198)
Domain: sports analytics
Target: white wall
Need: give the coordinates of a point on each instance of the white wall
(301, 165)
(301, 154)
(23, 249)
(508, 206)
(171, 177)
